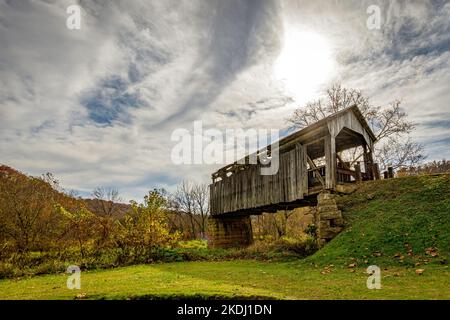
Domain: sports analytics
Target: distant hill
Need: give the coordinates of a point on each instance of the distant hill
(94, 205)
(6, 171)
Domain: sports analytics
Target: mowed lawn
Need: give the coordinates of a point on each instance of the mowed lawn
(238, 279)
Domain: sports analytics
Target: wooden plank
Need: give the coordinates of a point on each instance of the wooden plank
(293, 175)
(358, 176)
(345, 171)
(342, 162)
(316, 170)
(330, 159)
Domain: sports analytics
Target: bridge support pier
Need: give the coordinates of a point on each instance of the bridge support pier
(329, 218)
(227, 232)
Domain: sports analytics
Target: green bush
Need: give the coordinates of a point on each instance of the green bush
(54, 262)
(302, 246)
(311, 230)
(7, 270)
(51, 266)
(193, 244)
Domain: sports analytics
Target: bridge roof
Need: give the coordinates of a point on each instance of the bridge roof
(323, 122)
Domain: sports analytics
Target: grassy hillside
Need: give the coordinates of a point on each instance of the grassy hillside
(404, 221)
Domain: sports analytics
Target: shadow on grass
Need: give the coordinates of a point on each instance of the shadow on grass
(186, 297)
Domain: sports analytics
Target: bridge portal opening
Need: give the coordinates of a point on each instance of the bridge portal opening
(353, 156)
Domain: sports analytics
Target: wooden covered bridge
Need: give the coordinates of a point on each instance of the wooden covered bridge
(309, 164)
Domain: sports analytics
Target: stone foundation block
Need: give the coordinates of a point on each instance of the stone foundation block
(228, 232)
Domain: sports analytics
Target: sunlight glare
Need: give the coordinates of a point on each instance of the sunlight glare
(305, 62)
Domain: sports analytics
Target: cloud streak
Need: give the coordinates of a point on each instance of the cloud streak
(97, 106)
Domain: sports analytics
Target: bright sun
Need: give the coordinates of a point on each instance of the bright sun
(304, 63)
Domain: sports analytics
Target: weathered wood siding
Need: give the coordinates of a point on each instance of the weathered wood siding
(249, 189)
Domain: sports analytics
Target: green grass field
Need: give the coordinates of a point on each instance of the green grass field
(239, 279)
(400, 225)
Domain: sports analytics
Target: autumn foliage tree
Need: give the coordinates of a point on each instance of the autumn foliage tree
(43, 227)
(106, 206)
(78, 224)
(27, 217)
(145, 227)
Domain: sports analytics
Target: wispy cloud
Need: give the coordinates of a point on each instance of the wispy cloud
(97, 106)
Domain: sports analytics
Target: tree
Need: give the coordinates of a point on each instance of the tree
(192, 200)
(79, 224)
(26, 207)
(389, 124)
(427, 168)
(106, 206)
(281, 220)
(184, 203)
(273, 225)
(146, 226)
(200, 193)
(107, 200)
(399, 153)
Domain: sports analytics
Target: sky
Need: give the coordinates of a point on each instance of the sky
(97, 106)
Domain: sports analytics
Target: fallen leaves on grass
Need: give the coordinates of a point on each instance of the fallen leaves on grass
(432, 252)
(419, 272)
(327, 269)
(81, 295)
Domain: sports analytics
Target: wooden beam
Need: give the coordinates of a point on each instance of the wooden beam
(376, 171)
(316, 170)
(358, 176)
(346, 171)
(330, 159)
(343, 163)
